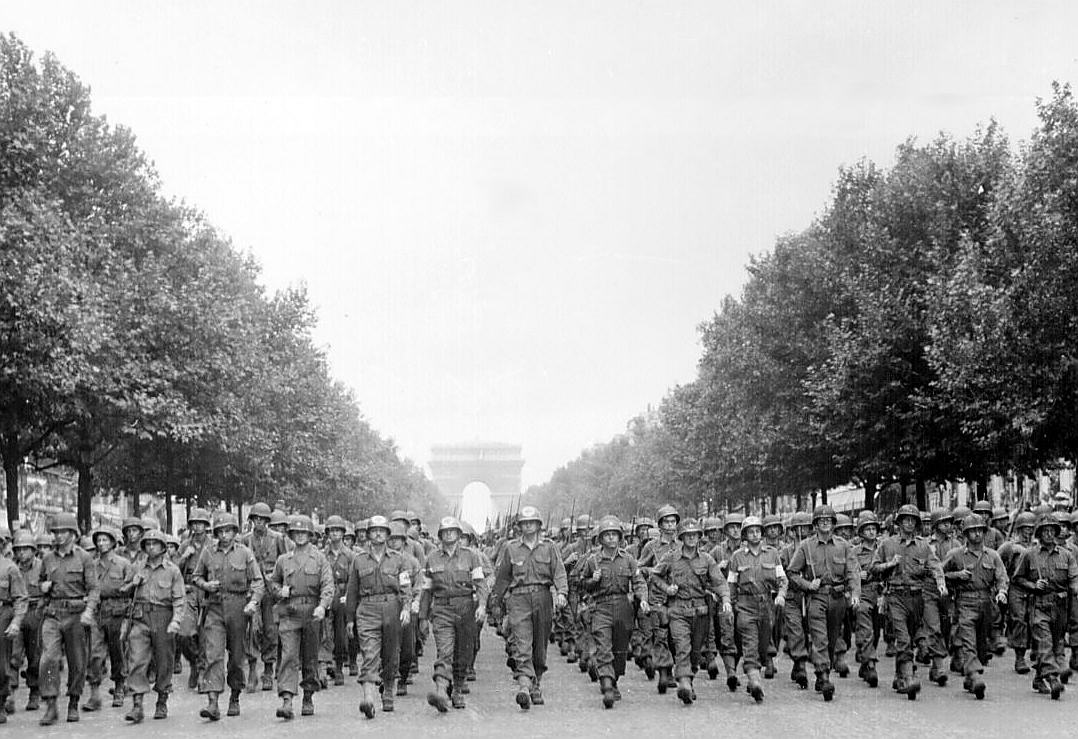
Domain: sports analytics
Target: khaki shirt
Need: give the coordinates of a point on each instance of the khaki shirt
(520, 565)
(13, 590)
(234, 568)
(73, 577)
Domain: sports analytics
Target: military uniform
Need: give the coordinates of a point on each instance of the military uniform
(13, 605)
(340, 563)
(657, 622)
(867, 627)
(1018, 601)
(611, 602)
(756, 578)
(113, 574)
(266, 547)
(26, 647)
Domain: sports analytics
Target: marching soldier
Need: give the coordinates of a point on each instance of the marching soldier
(905, 562)
(526, 571)
(824, 567)
(302, 583)
(132, 530)
(13, 605)
(977, 578)
(69, 580)
(612, 578)
(867, 631)
(1050, 573)
(1018, 598)
(379, 602)
(153, 622)
(657, 622)
(689, 577)
(470, 540)
(27, 643)
(795, 622)
(757, 585)
(267, 546)
(339, 557)
(407, 661)
(190, 641)
(232, 581)
(453, 598)
(113, 575)
(721, 642)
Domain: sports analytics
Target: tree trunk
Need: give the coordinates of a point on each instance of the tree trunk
(871, 483)
(823, 495)
(168, 511)
(982, 489)
(922, 494)
(11, 480)
(228, 504)
(85, 495)
(136, 504)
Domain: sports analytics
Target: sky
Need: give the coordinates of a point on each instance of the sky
(512, 217)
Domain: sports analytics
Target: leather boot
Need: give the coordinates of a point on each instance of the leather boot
(34, 701)
(769, 669)
(50, 716)
(729, 662)
(338, 673)
(387, 696)
(536, 693)
(755, 688)
(285, 710)
(118, 694)
(713, 669)
(523, 697)
(73, 709)
(192, 679)
(233, 703)
(799, 675)
(684, 690)
(841, 667)
(160, 711)
(937, 673)
(437, 697)
(252, 675)
(402, 686)
(267, 676)
(1020, 664)
(135, 715)
(606, 686)
(307, 708)
(93, 703)
(913, 685)
(826, 686)
(977, 686)
(366, 704)
(870, 675)
(662, 683)
(617, 691)
(457, 696)
(212, 711)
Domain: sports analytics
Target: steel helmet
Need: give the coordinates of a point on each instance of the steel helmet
(711, 523)
(199, 514)
(318, 529)
(397, 528)
(843, 521)
(973, 521)
(300, 522)
(1046, 521)
(259, 510)
(87, 543)
(335, 522)
(65, 522)
(349, 530)
(24, 538)
(154, 535)
(107, 531)
(1025, 518)
(645, 522)
(566, 523)
(907, 510)
(689, 526)
(941, 515)
(751, 521)
(448, 523)
(172, 540)
(1074, 518)
(801, 518)
(399, 515)
(149, 522)
(529, 513)
(583, 522)
(224, 520)
(379, 522)
(278, 518)
(667, 510)
(133, 521)
(467, 529)
(772, 519)
(961, 512)
(867, 518)
(609, 523)
(734, 519)
(5, 533)
(983, 508)
(1062, 518)
(823, 511)
(999, 514)
(412, 517)
(361, 525)
(926, 518)
(45, 539)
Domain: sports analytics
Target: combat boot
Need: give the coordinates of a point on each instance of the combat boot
(523, 697)
(649, 669)
(617, 691)
(402, 686)
(160, 711)
(338, 673)
(975, 684)
(118, 694)
(826, 686)
(50, 716)
(572, 656)
(713, 668)
(799, 674)
(267, 676)
(730, 663)
(212, 711)
(252, 676)
(9, 706)
(606, 686)
(911, 685)
(135, 715)
(387, 696)
(661, 685)
(192, 678)
(1055, 688)
(1021, 666)
(73, 709)
(841, 666)
(366, 705)
(870, 675)
(754, 688)
(684, 690)
(439, 699)
(285, 711)
(769, 669)
(307, 709)
(536, 695)
(34, 701)
(937, 674)
(233, 704)
(93, 703)
(457, 696)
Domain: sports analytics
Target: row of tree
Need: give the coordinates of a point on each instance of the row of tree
(923, 328)
(136, 344)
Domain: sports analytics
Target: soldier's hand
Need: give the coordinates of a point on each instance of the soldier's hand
(46, 586)
(406, 616)
(722, 564)
(212, 586)
(319, 613)
(814, 585)
(1001, 596)
(138, 579)
(645, 607)
(188, 551)
(855, 601)
(250, 609)
(173, 627)
(963, 575)
(1041, 584)
(727, 607)
(597, 576)
(943, 590)
(480, 614)
(285, 591)
(87, 618)
(671, 589)
(12, 630)
(895, 560)
(343, 599)
(780, 601)
(561, 601)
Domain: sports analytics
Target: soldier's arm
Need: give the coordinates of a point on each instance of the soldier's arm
(19, 596)
(719, 586)
(93, 584)
(659, 574)
(503, 574)
(351, 592)
(797, 566)
(853, 573)
(561, 582)
(329, 585)
(1022, 573)
(201, 570)
(254, 576)
(935, 569)
(425, 588)
(637, 581)
(479, 579)
(178, 597)
(1002, 581)
(1072, 576)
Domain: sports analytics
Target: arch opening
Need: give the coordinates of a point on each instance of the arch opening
(476, 505)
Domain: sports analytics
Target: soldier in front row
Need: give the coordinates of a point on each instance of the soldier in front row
(13, 604)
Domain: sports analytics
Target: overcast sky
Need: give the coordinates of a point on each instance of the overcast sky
(513, 216)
